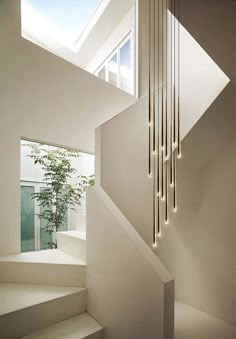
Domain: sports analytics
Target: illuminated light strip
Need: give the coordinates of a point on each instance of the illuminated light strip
(166, 80)
(178, 110)
(149, 101)
(154, 82)
(171, 99)
(154, 240)
(166, 120)
(158, 191)
(175, 185)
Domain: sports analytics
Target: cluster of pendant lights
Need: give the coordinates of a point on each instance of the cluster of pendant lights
(164, 108)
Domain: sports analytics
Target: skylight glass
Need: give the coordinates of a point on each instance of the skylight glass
(68, 16)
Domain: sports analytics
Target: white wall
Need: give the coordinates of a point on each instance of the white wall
(43, 98)
(129, 291)
(202, 239)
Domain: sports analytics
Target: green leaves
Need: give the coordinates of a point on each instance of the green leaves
(60, 195)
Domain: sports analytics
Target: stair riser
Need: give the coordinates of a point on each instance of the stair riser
(72, 246)
(97, 335)
(20, 323)
(43, 274)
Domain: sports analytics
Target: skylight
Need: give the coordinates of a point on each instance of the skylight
(69, 17)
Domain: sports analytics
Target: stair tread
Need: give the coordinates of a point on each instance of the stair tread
(45, 256)
(74, 234)
(15, 297)
(77, 327)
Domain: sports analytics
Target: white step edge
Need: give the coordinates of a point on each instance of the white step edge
(49, 267)
(73, 243)
(26, 308)
(79, 327)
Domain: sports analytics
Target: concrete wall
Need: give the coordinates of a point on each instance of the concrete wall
(42, 98)
(198, 247)
(129, 291)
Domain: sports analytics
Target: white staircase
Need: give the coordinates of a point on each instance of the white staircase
(49, 267)
(81, 326)
(73, 243)
(43, 294)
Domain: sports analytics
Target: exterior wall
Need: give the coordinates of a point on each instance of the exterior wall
(43, 98)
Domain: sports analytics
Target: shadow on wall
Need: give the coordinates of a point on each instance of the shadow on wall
(198, 247)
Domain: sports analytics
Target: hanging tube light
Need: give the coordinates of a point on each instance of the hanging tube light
(163, 116)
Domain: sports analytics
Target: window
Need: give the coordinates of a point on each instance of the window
(126, 67)
(118, 68)
(33, 235)
(102, 74)
(64, 20)
(113, 70)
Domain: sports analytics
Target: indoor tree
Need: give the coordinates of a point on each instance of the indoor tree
(60, 195)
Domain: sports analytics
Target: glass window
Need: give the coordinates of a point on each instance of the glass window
(102, 73)
(27, 219)
(113, 70)
(118, 69)
(126, 67)
(68, 17)
(45, 237)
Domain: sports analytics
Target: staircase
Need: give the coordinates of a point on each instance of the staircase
(44, 295)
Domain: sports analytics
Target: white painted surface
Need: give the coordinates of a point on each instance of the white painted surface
(54, 256)
(15, 297)
(79, 327)
(43, 98)
(201, 81)
(191, 323)
(49, 267)
(73, 243)
(127, 288)
(26, 308)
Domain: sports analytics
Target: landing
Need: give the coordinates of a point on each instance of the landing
(191, 323)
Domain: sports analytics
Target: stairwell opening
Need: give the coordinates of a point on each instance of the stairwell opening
(96, 35)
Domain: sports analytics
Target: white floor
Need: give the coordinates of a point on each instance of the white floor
(191, 323)
(18, 296)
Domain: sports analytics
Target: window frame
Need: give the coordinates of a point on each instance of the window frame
(37, 185)
(128, 36)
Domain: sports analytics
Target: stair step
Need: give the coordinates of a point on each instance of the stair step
(73, 243)
(48, 267)
(25, 308)
(79, 327)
